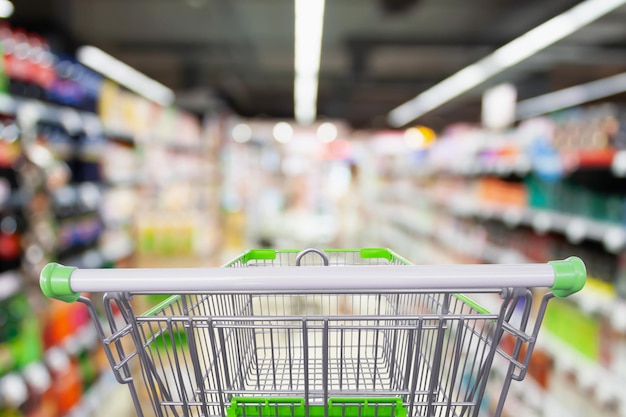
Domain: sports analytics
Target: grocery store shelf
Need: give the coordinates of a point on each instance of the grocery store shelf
(410, 220)
(528, 394)
(94, 401)
(419, 254)
(31, 110)
(606, 385)
(403, 226)
(486, 161)
(575, 228)
(473, 164)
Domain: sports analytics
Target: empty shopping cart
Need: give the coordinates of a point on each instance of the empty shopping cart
(334, 333)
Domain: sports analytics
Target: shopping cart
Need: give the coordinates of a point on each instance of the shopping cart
(335, 333)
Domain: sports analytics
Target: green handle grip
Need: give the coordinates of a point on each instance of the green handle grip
(54, 282)
(569, 276)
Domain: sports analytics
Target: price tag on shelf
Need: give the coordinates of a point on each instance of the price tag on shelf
(513, 217)
(618, 316)
(615, 239)
(618, 167)
(542, 223)
(576, 230)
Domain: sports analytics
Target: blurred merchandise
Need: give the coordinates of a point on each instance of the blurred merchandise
(81, 171)
(548, 189)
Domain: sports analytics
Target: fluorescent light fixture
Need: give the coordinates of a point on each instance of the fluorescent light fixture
(507, 56)
(125, 75)
(571, 96)
(305, 98)
(6, 9)
(309, 27)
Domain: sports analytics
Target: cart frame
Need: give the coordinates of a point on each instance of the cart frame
(368, 336)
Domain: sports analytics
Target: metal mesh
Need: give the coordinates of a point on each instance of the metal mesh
(207, 349)
(432, 350)
(335, 258)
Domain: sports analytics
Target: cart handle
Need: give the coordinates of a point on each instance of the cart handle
(66, 283)
(304, 252)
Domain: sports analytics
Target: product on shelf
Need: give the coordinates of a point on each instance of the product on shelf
(11, 217)
(20, 354)
(499, 192)
(67, 386)
(72, 185)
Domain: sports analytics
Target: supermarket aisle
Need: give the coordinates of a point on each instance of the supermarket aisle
(95, 173)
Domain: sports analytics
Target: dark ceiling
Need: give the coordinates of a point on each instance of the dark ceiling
(376, 54)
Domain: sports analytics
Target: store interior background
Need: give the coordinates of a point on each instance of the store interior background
(96, 174)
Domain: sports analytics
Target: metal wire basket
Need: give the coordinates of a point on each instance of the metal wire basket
(356, 333)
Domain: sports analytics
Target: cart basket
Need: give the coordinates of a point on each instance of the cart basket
(318, 333)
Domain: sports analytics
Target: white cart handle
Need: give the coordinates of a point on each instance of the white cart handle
(66, 283)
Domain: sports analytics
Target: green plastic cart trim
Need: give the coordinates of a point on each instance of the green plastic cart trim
(570, 276)
(54, 281)
(480, 309)
(365, 253)
(295, 407)
(270, 254)
(163, 304)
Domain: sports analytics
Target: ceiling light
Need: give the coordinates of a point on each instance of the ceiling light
(125, 75)
(419, 137)
(327, 132)
(508, 55)
(414, 138)
(282, 132)
(6, 9)
(242, 133)
(309, 27)
(305, 98)
(571, 96)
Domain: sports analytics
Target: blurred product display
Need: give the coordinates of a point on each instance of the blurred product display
(551, 187)
(82, 179)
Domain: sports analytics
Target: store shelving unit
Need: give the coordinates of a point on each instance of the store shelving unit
(82, 182)
(440, 206)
